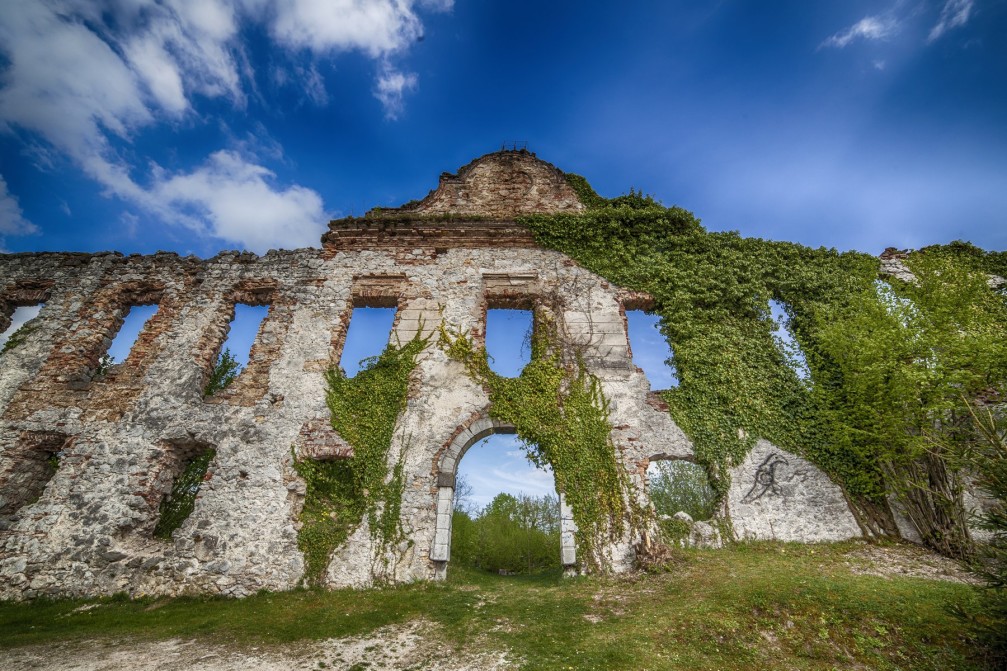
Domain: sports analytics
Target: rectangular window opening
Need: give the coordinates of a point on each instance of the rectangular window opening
(508, 339)
(125, 338)
(178, 483)
(236, 349)
(368, 334)
(20, 328)
(787, 343)
(678, 486)
(651, 351)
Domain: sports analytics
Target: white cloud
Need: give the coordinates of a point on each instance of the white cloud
(954, 14)
(233, 199)
(376, 27)
(12, 221)
(867, 28)
(85, 76)
(391, 87)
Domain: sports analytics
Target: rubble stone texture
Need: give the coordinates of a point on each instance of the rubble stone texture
(86, 458)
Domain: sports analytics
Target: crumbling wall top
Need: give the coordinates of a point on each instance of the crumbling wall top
(474, 208)
(500, 185)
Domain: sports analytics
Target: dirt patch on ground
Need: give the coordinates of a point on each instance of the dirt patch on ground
(395, 648)
(908, 561)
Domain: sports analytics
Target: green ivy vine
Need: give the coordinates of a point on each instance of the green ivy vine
(561, 415)
(340, 493)
(712, 292)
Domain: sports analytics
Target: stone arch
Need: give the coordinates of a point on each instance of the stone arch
(447, 469)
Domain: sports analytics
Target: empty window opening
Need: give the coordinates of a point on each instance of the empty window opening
(367, 337)
(29, 465)
(786, 342)
(243, 330)
(678, 486)
(20, 328)
(897, 306)
(506, 516)
(237, 347)
(132, 325)
(651, 351)
(508, 340)
(178, 484)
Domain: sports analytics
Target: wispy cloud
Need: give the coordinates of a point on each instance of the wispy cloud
(87, 77)
(867, 28)
(955, 13)
(12, 221)
(391, 88)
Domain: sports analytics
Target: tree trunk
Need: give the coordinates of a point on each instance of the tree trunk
(932, 496)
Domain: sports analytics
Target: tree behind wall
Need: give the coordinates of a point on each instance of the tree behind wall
(514, 534)
(901, 367)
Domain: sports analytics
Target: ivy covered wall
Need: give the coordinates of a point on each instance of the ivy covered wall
(737, 384)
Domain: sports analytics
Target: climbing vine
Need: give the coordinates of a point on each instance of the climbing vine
(339, 494)
(561, 415)
(712, 292)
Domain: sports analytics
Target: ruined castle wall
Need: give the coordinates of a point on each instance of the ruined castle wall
(90, 531)
(87, 455)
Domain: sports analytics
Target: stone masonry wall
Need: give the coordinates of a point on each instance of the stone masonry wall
(85, 458)
(89, 531)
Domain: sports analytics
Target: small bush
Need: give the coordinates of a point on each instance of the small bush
(18, 337)
(224, 372)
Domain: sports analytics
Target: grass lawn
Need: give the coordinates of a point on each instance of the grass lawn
(749, 606)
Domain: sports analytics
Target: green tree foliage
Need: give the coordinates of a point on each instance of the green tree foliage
(681, 486)
(987, 460)
(224, 372)
(904, 366)
(516, 534)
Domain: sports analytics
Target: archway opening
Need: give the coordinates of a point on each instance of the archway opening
(501, 513)
(680, 487)
(506, 514)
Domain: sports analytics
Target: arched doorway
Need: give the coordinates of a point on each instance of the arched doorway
(447, 472)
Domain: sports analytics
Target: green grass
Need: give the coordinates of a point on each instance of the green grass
(757, 606)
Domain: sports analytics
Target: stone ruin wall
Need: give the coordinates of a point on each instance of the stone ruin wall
(121, 436)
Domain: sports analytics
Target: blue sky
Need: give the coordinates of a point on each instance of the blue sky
(200, 126)
(203, 125)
